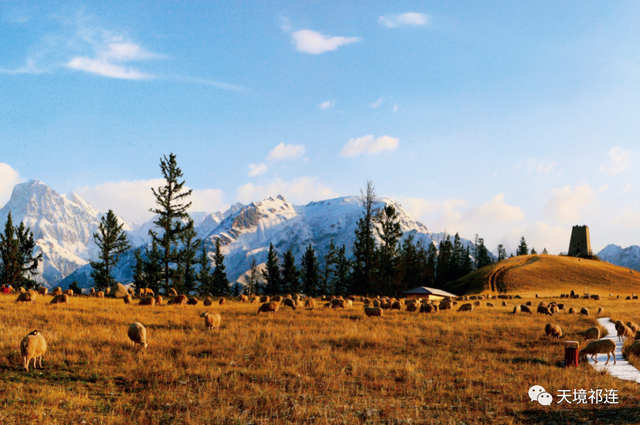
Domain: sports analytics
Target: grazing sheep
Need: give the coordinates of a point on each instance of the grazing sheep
(326, 305)
(466, 307)
(412, 307)
(374, 311)
(92, 291)
(277, 298)
(33, 346)
(56, 291)
(600, 311)
(544, 310)
(60, 299)
(516, 309)
(554, 309)
(561, 306)
(542, 304)
(376, 303)
(222, 301)
(338, 303)
(504, 304)
(22, 290)
(127, 299)
(211, 320)
(264, 299)
(426, 308)
(99, 294)
(637, 337)
(592, 334)
(147, 301)
(179, 300)
(571, 310)
(289, 302)
(148, 291)
(602, 346)
(138, 334)
(445, 305)
(172, 292)
(635, 348)
(624, 332)
(595, 297)
(310, 303)
(634, 327)
(269, 307)
(254, 300)
(553, 330)
(476, 303)
(244, 299)
(490, 305)
(26, 297)
(192, 301)
(528, 303)
(158, 299)
(525, 309)
(348, 303)
(584, 311)
(43, 291)
(396, 305)
(107, 291)
(207, 301)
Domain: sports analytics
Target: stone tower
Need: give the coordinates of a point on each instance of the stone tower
(580, 243)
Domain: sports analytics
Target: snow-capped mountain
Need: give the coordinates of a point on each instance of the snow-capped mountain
(625, 257)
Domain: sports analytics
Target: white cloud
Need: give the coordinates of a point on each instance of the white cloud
(565, 204)
(395, 108)
(110, 60)
(360, 145)
(8, 179)
(283, 151)
(314, 43)
(410, 18)
(327, 104)
(495, 211)
(538, 235)
(541, 166)
(131, 200)
(619, 161)
(257, 169)
(301, 190)
(377, 103)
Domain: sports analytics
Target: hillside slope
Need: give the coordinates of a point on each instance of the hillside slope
(548, 273)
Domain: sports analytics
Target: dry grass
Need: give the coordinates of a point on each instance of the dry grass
(320, 366)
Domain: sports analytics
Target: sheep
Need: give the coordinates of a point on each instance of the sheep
(33, 346)
(560, 306)
(602, 346)
(107, 291)
(244, 299)
(127, 299)
(326, 305)
(211, 320)
(445, 305)
(25, 297)
(553, 330)
(571, 311)
(624, 332)
(43, 291)
(592, 334)
(138, 334)
(634, 327)
(584, 311)
(99, 294)
(158, 299)
(56, 291)
(528, 303)
(22, 290)
(172, 292)
(466, 307)
(348, 303)
(427, 308)
(288, 302)
(504, 304)
(60, 299)
(147, 301)
(637, 337)
(148, 291)
(269, 307)
(92, 291)
(221, 301)
(338, 303)
(179, 300)
(374, 311)
(264, 299)
(207, 301)
(554, 309)
(255, 300)
(192, 301)
(635, 348)
(525, 309)
(490, 305)
(544, 310)
(412, 307)
(310, 303)
(542, 304)
(476, 303)
(516, 309)
(277, 298)
(376, 303)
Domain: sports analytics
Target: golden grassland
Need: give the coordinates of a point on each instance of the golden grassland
(322, 366)
(544, 274)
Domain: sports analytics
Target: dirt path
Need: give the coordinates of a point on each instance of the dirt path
(623, 369)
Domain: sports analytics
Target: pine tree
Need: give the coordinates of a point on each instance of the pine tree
(411, 267)
(290, 274)
(171, 212)
(310, 272)
(219, 280)
(153, 271)
(364, 244)
(343, 272)
(389, 231)
(18, 265)
(544, 251)
(502, 253)
(467, 263)
(185, 279)
(432, 260)
(533, 251)
(328, 278)
(139, 278)
(457, 258)
(442, 265)
(112, 242)
(75, 288)
(484, 259)
(271, 273)
(204, 273)
(253, 286)
(522, 248)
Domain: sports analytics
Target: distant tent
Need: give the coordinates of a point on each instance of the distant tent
(428, 293)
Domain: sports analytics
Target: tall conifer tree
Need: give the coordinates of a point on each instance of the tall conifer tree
(112, 242)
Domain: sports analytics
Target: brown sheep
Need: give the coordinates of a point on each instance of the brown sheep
(222, 301)
(310, 303)
(600, 311)
(412, 307)
(244, 299)
(504, 304)
(553, 330)
(525, 309)
(33, 346)
(289, 302)
(192, 301)
(571, 310)
(338, 303)
(374, 311)
(529, 303)
(544, 310)
(602, 346)
(624, 332)
(172, 292)
(427, 308)
(158, 299)
(99, 294)
(43, 291)
(466, 307)
(584, 311)
(376, 303)
(326, 305)
(490, 305)
(138, 334)
(277, 298)
(560, 306)
(211, 320)
(476, 303)
(147, 301)
(207, 301)
(554, 309)
(264, 299)
(26, 297)
(516, 309)
(445, 305)
(148, 291)
(270, 307)
(56, 291)
(179, 300)
(60, 299)
(634, 327)
(592, 334)
(127, 299)
(542, 304)
(635, 348)
(396, 305)
(255, 300)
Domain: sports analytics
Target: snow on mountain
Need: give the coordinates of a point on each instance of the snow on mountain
(625, 257)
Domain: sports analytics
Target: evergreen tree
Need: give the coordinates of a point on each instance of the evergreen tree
(236, 289)
(139, 278)
(75, 288)
(290, 274)
(310, 272)
(186, 279)
(544, 251)
(411, 265)
(219, 281)
(533, 251)
(343, 272)
(204, 275)
(502, 253)
(328, 278)
(522, 248)
(18, 265)
(253, 286)
(171, 210)
(484, 259)
(457, 258)
(442, 265)
(467, 263)
(153, 271)
(432, 260)
(364, 244)
(271, 273)
(112, 242)
(388, 229)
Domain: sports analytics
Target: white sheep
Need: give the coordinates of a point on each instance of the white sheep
(603, 346)
(211, 320)
(33, 346)
(138, 334)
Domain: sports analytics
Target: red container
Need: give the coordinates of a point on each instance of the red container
(571, 349)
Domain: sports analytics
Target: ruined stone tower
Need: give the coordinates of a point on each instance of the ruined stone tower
(580, 243)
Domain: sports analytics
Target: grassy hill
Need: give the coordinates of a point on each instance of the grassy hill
(548, 274)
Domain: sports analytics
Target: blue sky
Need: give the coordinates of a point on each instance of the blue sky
(495, 118)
